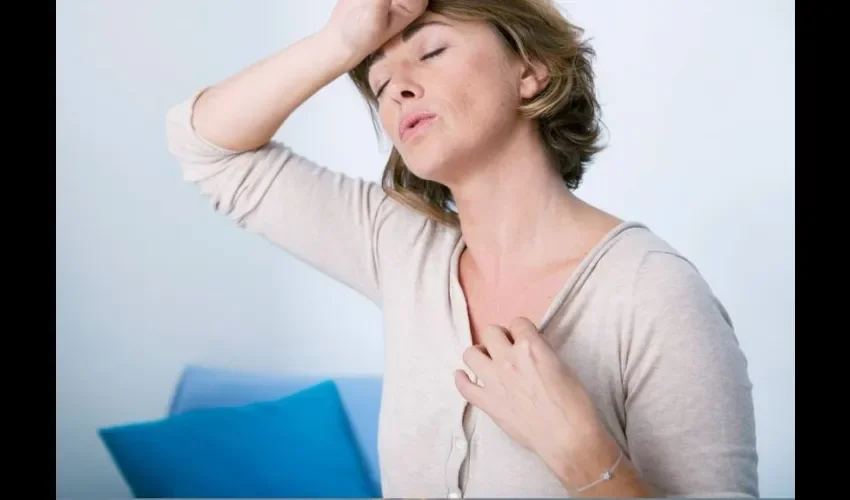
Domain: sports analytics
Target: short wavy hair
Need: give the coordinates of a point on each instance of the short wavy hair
(567, 110)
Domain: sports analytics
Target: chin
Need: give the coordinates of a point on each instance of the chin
(435, 160)
(436, 167)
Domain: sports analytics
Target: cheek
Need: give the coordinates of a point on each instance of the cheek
(387, 122)
(485, 92)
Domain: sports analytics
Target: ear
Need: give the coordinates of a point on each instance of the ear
(534, 78)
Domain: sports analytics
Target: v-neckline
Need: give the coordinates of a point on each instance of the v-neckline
(461, 312)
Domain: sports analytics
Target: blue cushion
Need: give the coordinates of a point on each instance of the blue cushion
(213, 387)
(300, 445)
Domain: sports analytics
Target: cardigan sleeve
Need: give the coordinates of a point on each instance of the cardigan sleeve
(690, 421)
(325, 218)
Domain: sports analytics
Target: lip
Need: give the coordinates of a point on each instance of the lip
(414, 122)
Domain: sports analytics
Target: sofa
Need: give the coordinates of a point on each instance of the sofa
(241, 434)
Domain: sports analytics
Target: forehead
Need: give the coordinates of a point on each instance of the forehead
(429, 19)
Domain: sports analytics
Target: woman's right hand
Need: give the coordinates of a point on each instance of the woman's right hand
(364, 25)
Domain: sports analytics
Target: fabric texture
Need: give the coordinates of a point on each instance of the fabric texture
(300, 445)
(652, 344)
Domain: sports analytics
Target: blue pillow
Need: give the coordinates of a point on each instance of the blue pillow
(301, 445)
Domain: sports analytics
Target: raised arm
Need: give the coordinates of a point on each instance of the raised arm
(689, 406)
(221, 137)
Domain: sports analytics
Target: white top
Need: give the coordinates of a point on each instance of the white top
(652, 345)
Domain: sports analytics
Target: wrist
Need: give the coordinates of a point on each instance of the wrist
(582, 463)
(601, 470)
(332, 44)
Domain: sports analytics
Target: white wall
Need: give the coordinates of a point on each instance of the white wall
(698, 97)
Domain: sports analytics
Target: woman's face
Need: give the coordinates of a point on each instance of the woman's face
(447, 94)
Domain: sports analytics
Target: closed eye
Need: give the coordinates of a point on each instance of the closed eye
(380, 90)
(433, 53)
(427, 56)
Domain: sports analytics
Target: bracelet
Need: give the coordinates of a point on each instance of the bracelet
(605, 476)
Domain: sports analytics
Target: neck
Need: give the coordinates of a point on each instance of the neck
(514, 210)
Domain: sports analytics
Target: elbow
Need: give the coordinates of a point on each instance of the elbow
(183, 141)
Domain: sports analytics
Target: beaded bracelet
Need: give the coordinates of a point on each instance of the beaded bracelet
(605, 476)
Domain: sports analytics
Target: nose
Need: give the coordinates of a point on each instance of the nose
(404, 88)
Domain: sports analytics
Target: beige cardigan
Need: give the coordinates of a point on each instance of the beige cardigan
(653, 346)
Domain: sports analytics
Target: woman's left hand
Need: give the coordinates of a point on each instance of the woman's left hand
(536, 399)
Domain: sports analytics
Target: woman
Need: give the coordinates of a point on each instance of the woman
(535, 345)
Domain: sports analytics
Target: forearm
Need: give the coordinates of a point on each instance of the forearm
(244, 111)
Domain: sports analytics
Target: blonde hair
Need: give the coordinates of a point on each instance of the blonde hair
(567, 110)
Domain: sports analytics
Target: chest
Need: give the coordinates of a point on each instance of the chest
(529, 297)
(431, 442)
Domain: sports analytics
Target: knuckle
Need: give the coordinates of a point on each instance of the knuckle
(493, 332)
(523, 325)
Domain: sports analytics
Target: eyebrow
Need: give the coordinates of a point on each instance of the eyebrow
(406, 35)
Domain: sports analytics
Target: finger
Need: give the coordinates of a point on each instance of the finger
(523, 328)
(524, 358)
(469, 390)
(404, 12)
(538, 350)
(539, 363)
(410, 8)
(527, 344)
(479, 362)
(498, 342)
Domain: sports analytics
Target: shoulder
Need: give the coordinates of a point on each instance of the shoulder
(652, 269)
(657, 284)
(668, 300)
